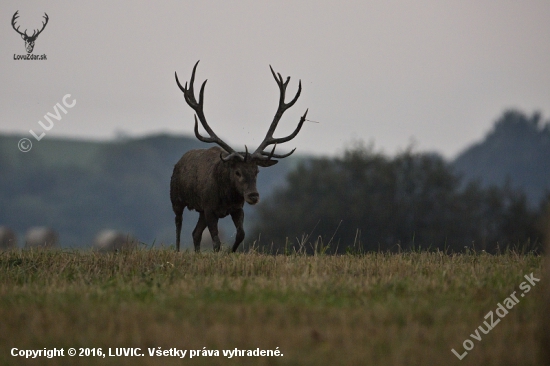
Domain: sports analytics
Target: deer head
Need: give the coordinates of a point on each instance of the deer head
(260, 157)
(29, 40)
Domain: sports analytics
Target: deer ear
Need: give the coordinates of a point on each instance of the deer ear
(266, 163)
(23, 36)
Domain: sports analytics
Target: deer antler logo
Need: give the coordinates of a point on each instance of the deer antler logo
(29, 40)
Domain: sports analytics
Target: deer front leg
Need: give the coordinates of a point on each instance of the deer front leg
(212, 222)
(238, 219)
(197, 232)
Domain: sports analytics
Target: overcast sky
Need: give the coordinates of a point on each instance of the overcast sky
(434, 72)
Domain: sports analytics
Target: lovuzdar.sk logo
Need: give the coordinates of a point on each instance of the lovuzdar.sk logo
(29, 39)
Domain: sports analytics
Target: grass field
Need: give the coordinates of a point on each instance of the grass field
(369, 309)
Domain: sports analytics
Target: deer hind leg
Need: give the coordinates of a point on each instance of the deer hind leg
(197, 232)
(212, 222)
(238, 220)
(178, 210)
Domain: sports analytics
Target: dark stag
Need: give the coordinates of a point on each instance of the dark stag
(216, 182)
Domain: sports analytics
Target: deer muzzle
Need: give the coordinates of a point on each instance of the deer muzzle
(252, 198)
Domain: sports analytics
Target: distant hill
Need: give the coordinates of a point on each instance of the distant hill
(81, 187)
(515, 152)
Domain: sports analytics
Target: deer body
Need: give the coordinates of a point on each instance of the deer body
(201, 181)
(217, 182)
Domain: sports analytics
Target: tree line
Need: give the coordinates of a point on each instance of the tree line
(366, 201)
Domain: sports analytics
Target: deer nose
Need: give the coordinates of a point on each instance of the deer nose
(253, 198)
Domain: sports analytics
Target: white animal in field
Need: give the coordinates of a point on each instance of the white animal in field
(112, 240)
(41, 237)
(8, 239)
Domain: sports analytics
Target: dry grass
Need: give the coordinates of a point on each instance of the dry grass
(372, 309)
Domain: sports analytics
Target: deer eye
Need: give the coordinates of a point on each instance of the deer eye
(238, 173)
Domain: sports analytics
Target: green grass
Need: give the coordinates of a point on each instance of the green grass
(369, 309)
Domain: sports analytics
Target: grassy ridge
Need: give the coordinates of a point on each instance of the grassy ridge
(384, 309)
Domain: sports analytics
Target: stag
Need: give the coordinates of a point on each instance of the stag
(29, 40)
(216, 182)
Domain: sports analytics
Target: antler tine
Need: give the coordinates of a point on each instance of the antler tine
(192, 81)
(236, 154)
(182, 88)
(189, 96)
(277, 156)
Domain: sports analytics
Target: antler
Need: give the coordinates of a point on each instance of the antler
(43, 26)
(269, 139)
(15, 16)
(35, 33)
(189, 95)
